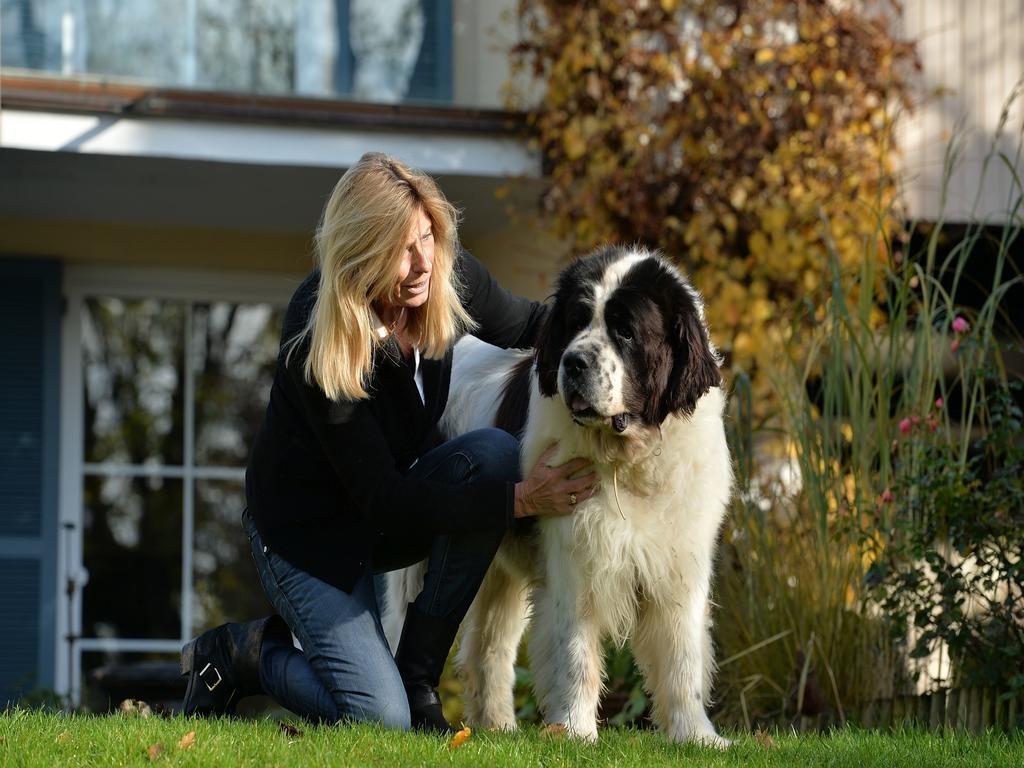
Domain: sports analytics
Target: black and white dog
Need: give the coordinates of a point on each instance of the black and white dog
(624, 374)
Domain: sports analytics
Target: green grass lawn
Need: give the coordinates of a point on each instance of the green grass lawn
(31, 738)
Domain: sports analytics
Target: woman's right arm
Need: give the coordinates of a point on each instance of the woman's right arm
(555, 490)
(393, 503)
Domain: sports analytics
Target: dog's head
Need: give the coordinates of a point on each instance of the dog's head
(625, 341)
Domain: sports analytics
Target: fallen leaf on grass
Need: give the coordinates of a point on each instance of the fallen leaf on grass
(460, 738)
(63, 736)
(187, 740)
(764, 739)
(155, 750)
(135, 707)
(553, 731)
(289, 730)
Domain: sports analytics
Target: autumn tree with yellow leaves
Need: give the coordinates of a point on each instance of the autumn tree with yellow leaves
(748, 140)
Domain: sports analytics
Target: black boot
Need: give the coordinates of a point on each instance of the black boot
(223, 665)
(422, 652)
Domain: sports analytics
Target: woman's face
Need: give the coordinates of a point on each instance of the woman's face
(417, 263)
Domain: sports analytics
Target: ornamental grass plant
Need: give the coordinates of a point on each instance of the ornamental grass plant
(880, 528)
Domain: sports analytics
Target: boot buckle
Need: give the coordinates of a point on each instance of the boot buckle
(202, 676)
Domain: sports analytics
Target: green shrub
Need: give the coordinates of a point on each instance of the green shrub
(955, 572)
(721, 133)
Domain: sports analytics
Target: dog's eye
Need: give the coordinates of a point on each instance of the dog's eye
(624, 335)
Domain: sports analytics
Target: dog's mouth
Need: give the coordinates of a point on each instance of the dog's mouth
(584, 414)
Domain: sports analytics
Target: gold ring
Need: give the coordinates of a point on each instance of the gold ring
(572, 499)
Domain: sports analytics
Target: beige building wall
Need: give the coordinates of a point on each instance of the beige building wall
(524, 259)
(972, 52)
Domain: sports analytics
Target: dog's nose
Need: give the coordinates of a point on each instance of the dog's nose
(574, 363)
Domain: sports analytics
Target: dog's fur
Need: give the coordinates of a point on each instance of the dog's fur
(625, 375)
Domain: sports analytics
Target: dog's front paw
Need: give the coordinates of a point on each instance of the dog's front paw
(712, 739)
(503, 725)
(560, 730)
(699, 733)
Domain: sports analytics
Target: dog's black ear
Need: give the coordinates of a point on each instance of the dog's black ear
(694, 368)
(551, 342)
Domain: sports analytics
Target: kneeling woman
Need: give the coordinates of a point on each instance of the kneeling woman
(349, 476)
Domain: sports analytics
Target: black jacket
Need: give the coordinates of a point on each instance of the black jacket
(325, 479)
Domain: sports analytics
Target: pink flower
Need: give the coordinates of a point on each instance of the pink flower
(960, 325)
(887, 496)
(954, 345)
(905, 426)
(939, 402)
(915, 419)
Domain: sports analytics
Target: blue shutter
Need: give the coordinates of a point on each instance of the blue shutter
(19, 605)
(30, 302)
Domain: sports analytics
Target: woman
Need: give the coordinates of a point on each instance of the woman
(349, 476)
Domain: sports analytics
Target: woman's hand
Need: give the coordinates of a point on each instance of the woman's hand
(554, 490)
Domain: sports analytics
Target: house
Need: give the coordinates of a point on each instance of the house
(162, 168)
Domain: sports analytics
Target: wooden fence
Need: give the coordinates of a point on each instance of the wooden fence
(973, 710)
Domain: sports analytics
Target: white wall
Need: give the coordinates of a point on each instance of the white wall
(972, 52)
(484, 32)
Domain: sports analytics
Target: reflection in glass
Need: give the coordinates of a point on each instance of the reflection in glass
(227, 587)
(377, 50)
(386, 36)
(234, 356)
(132, 552)
(133, 375)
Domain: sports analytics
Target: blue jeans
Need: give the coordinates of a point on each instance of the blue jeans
(345, 670)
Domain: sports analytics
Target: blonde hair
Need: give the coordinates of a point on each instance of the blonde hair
(359, 247)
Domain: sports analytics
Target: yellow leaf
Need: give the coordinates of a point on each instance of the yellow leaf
(758, 243)
(764, 55)
(187, 740)
(669, 6)
(764, 739)
(572, 141)
(460, 738)
(135, 707)
(153, 751)
(775, 219)
(738, 197)
(63, 736)
(743, 345)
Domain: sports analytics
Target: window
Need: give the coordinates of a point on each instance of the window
(172, 391)
(360, 49)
